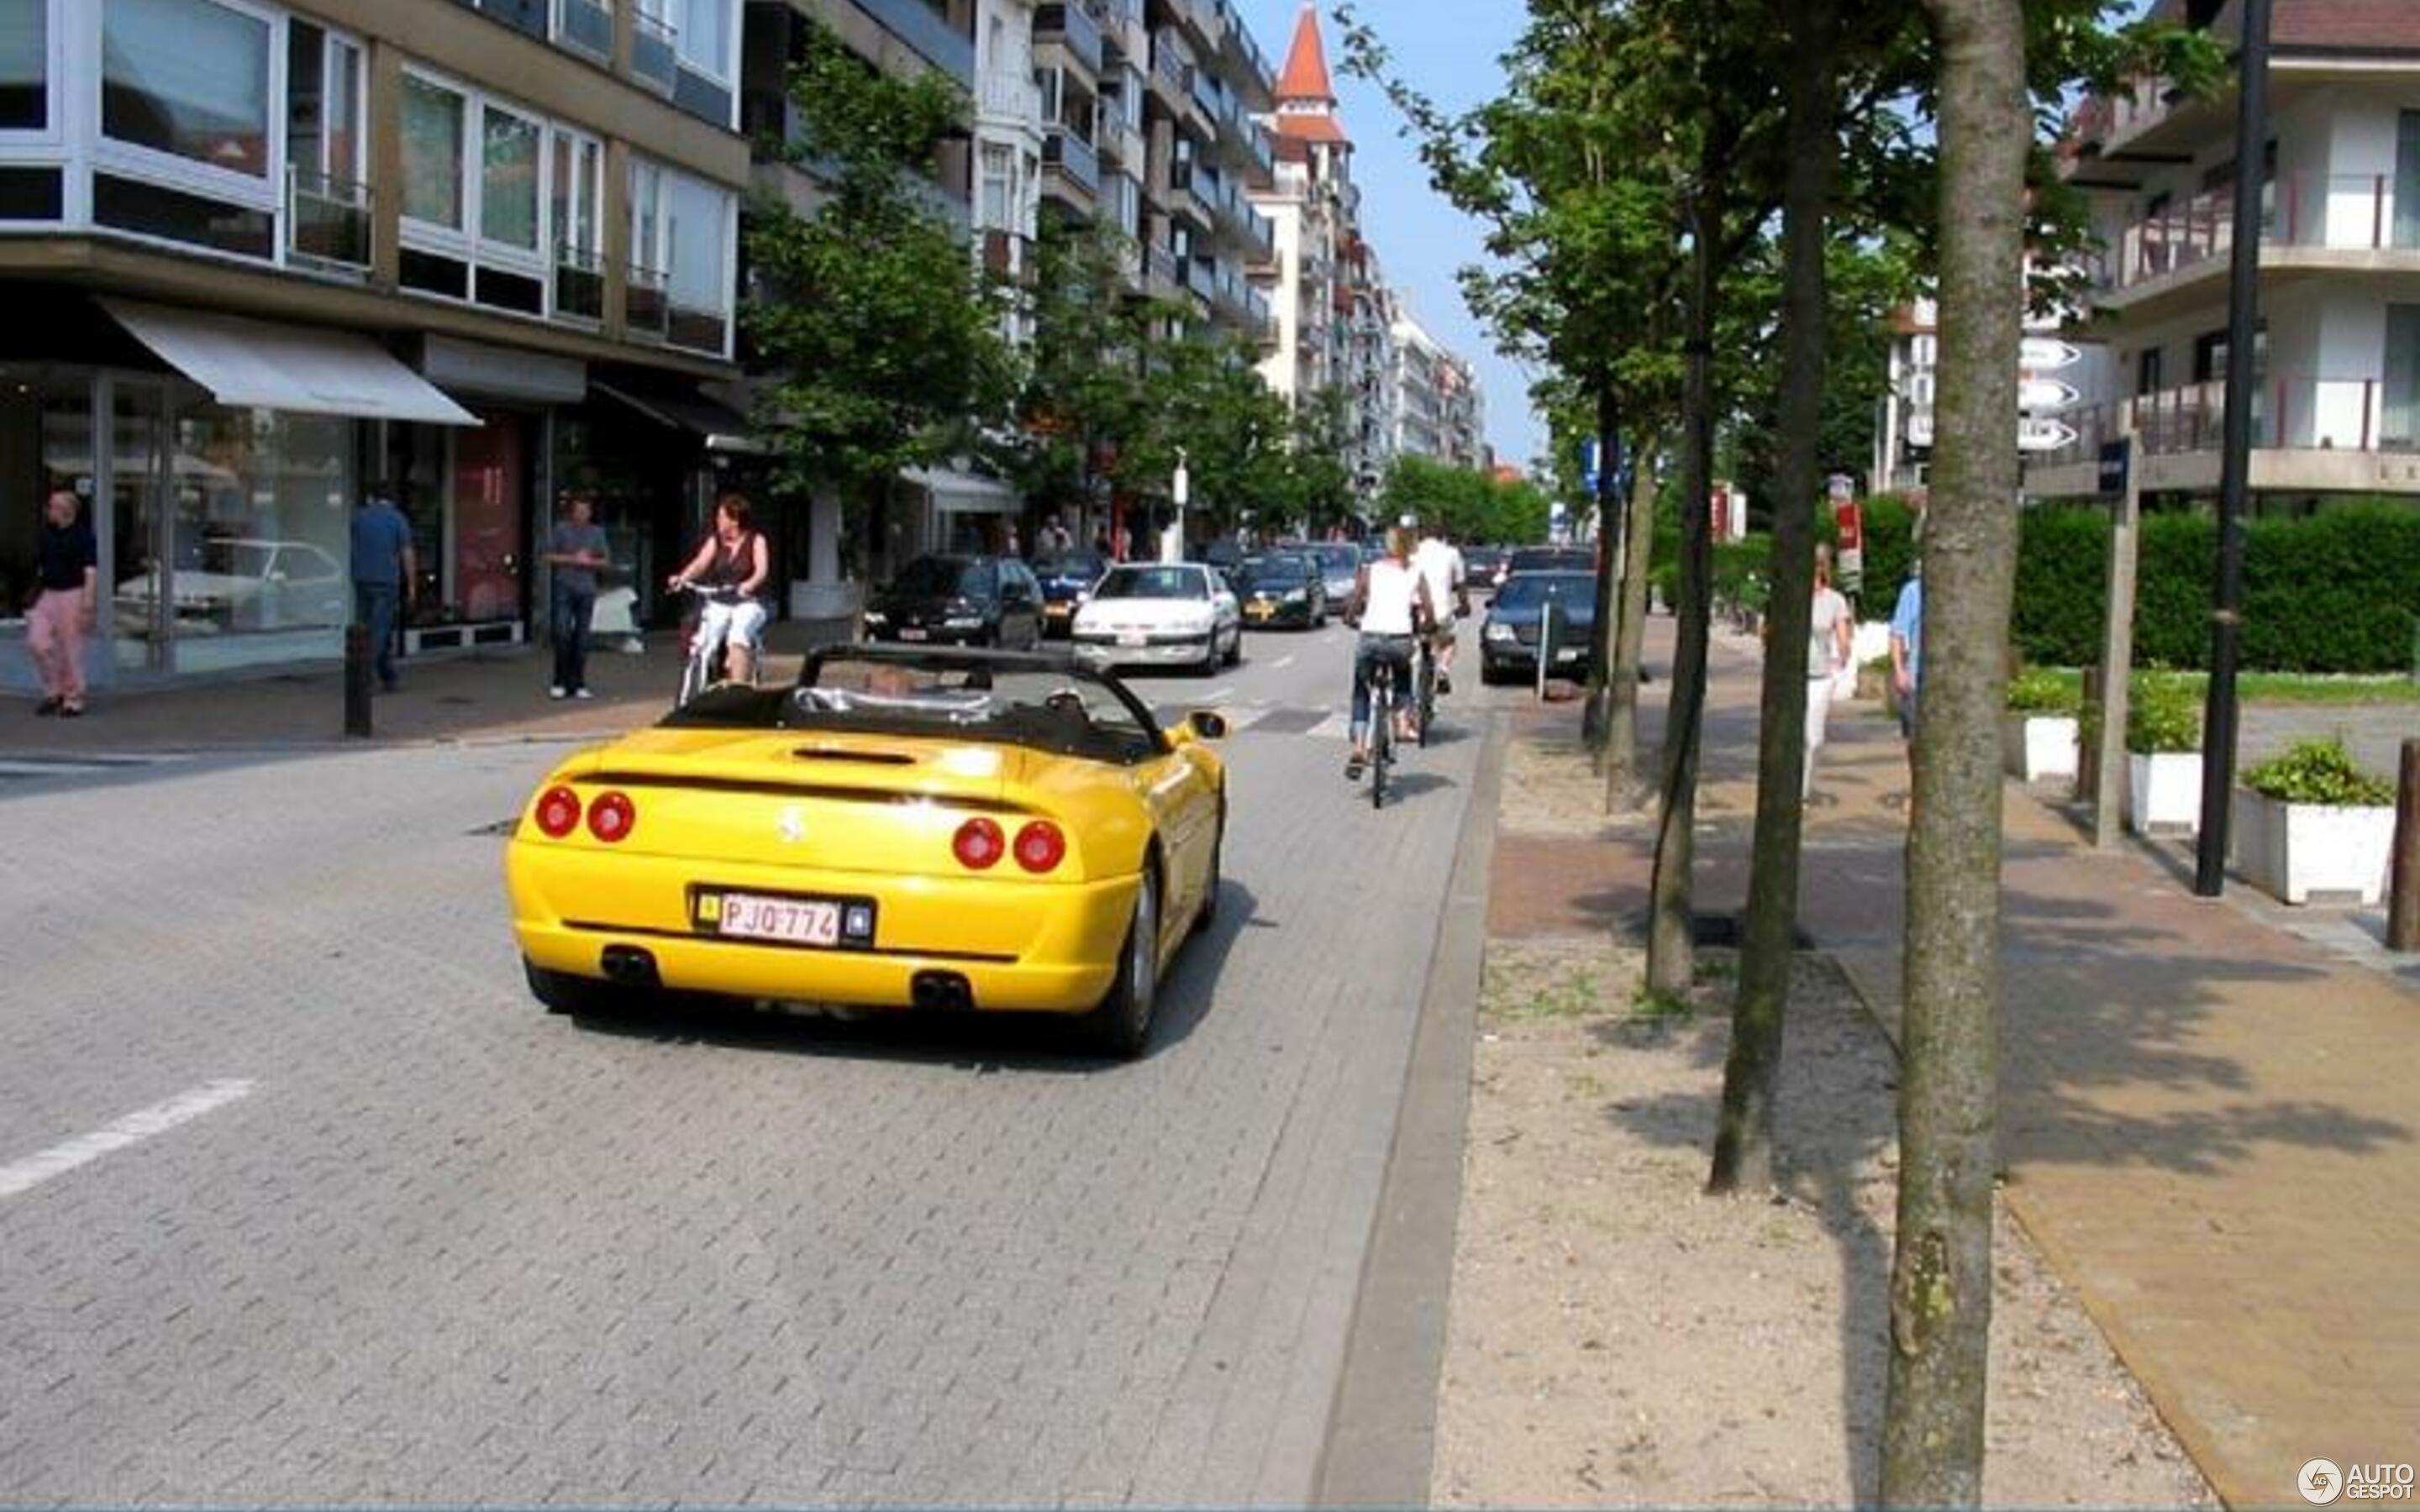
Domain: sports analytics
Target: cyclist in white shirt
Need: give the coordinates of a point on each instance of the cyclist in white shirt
(1390, 604)
(1440, 567)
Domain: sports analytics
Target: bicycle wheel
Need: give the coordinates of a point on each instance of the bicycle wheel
(1382, 741)
(1428, 693)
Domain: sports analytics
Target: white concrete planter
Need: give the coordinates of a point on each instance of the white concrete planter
(2299, 851)
(2039, 748)
(2163, 792)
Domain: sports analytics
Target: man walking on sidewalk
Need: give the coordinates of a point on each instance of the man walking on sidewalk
(384, 570)
(577, 552)
(66, 578)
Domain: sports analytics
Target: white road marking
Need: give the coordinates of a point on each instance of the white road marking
(1335, 727)
(25, 1175)
(1216, 694)
(1282, 663)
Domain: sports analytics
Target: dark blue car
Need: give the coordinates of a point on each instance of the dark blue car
(1067, 580)
(1508, 640)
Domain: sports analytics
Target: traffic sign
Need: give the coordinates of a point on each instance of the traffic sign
(2047, 354)
(2041, 433)
(2037, 394)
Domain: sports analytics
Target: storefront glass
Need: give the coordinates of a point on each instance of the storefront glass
(260, 517)
(144, 606)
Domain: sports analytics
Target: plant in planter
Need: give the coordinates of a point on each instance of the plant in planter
(2312, 823)
(2039, 733)
(2163, 757)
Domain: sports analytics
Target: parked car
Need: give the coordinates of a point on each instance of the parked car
(903, 828)
(1066, 580)
(1340, 564)
(1162, 614)
(1550, 559)
(1508, 639)
(244, 584)
(1483, 568)
(1282, 588)
(959, 600)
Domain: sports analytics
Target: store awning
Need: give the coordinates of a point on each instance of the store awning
(721, 427)
(305, 370)
(965, 493)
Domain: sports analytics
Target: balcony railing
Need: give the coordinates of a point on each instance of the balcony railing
(648, 303)
(579, 284)
(328, 222)
(1072, 156)
(586, 25)
(1161, 263)
(655, 61)
(2352, 213)
(2289, 412)
(1073, 27)
(1004, 95)
(922, 26)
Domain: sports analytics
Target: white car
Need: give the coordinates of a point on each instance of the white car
(246, 584)
(1160, 614)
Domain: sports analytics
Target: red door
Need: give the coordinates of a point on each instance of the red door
(488, 504)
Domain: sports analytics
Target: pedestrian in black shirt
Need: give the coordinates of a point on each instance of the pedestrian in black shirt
(66, 578)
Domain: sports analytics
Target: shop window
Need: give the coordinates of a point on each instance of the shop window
(24, 66)
(187, 78)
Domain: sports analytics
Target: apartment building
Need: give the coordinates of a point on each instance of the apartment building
(1434, 403)
(262, 254)
(2336, 407)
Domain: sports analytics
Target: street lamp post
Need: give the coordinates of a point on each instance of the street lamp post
(1178, 488)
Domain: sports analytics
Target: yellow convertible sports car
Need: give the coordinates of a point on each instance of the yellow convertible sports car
(903, 828)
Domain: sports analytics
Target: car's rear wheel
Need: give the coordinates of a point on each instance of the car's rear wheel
(1122, 1024)
(563, 993)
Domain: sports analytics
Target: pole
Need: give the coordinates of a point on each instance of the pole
(2117, 658)
(2403, 899)
(2242, 314)
(357, 681)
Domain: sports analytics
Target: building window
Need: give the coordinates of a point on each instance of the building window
(681, 228)
(432, 153)
(999, 186)
(579, 191)
(188, 78)
(702, 36)
(508, 168)
(24, 66)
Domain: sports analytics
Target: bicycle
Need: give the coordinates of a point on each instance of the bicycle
(1423, 686)
(703, 660)
(1382, 729)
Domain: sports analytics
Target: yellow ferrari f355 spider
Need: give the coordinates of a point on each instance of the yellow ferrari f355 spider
(902, 828)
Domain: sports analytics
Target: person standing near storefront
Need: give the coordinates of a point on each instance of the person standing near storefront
(577, 552)
(384, 569)
(67, 583)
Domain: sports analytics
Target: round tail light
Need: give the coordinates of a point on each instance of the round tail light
(979, 846)
(1040, 846)
(558, 812)
(611, 816)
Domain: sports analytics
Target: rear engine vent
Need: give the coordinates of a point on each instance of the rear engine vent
(863, 757)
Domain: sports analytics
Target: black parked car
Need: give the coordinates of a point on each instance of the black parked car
(1282, 588)
(959, 600)
(1066, 581)
(1508, 640)
(1483, 569)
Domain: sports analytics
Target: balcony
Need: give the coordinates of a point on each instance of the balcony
(648, 303)
(2306, 221)
(1007, 256)
(526, 16)
(1115, 144)
(586, 26)
(1159, 265)
(1071, 26)
(328, 223)
(654, 60)
(1010, 98)
(922, 26)
(1072, 156)
(579, 285)
(2308, 433)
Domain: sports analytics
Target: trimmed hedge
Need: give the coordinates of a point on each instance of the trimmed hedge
(2333, 592)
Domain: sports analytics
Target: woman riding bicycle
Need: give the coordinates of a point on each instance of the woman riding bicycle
(730, 567)
(1390, 604)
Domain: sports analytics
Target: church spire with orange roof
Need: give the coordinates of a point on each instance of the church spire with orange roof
(1305, 76)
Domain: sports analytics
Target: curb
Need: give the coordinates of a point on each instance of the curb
(1382, 1422)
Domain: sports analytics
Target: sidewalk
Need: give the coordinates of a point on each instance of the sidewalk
(478, 696)
(2206, 1117)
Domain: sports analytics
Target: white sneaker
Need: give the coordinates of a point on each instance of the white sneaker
(558, 691)
(583, 693)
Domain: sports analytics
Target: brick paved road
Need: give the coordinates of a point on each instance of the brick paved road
(431, 1245)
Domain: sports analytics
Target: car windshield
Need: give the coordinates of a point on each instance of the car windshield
(1273, 572)
(1153, 582)
(1575, 590)
(1553, 560)
(941, 576)
(1084, 567)
(1042, 702)
(237, 559)
(1339, 560)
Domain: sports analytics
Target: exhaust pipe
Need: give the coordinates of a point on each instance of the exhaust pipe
(940, 992)
(628, 966)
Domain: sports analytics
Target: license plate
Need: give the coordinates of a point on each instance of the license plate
(1262, 612)
(908, 632)
(1057, 612)
(787, 920)
(1568, 653)
(1133, 637)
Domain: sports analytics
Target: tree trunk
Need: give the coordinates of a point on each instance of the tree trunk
(1743, 1137)
(1621, 786)
(1671, 949)
(1941, 1271)
(1594, 725)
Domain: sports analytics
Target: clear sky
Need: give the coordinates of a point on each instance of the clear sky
(1449, 51)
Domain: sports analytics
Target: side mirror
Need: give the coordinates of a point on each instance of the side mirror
(1207, 724)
